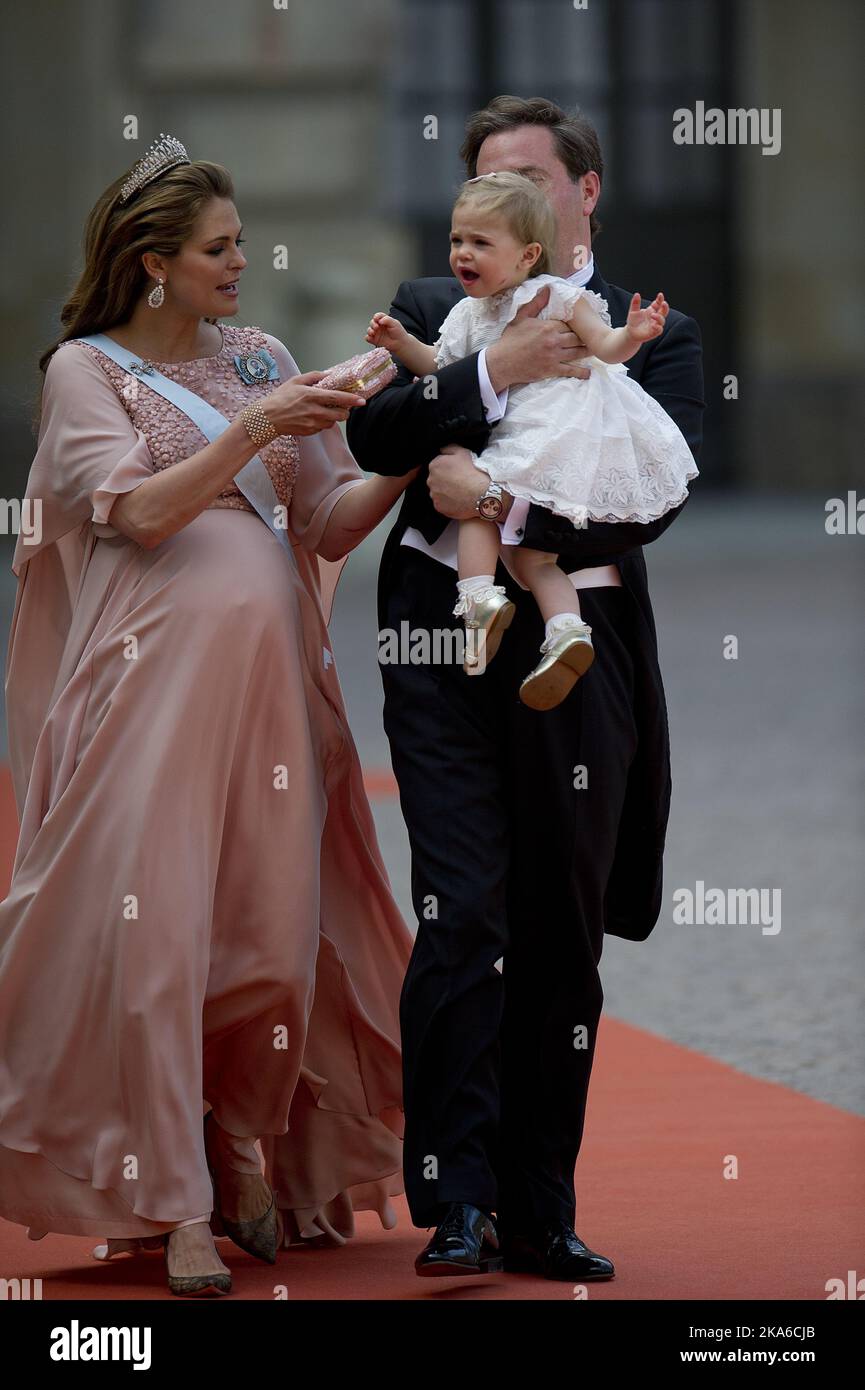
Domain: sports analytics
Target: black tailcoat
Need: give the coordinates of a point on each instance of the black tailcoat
(400, 428)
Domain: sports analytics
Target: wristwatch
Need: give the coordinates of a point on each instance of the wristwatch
(490, 505)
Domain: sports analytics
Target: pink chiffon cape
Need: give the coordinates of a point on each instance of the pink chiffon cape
(199, 913)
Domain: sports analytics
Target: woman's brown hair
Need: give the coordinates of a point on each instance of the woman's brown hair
(159, 217)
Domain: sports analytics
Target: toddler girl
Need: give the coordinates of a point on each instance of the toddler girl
(599, 448)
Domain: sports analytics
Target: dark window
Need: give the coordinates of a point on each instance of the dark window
(666, 208)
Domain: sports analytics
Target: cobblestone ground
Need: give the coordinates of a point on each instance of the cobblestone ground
(768, 787)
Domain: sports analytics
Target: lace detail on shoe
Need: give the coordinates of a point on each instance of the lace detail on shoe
(466, 602)
(581, 630)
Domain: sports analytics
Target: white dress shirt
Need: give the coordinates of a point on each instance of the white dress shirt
(445, 548)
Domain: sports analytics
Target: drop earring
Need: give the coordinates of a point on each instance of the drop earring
(156, 296)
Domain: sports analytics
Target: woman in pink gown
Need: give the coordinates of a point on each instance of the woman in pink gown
(199, 918)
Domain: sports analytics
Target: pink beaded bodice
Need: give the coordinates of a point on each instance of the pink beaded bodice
(171, 435)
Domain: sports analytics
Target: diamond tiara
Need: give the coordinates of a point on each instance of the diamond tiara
(163, 154)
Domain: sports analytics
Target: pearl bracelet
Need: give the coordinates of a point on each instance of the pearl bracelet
(260, 430)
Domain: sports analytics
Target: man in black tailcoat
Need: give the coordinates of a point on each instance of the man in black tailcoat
(531, 833)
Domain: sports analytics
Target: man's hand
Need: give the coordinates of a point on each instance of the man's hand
(531, 349)
(455, 484)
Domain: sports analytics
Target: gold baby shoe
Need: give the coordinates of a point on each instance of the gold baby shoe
(487, 614)
(567, 656)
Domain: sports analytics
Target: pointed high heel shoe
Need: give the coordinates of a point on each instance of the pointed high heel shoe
(260, 1236)
(195, 1285)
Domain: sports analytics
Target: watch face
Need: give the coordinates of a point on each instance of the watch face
(490, 508)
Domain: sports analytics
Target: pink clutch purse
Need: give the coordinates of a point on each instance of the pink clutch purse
(364, 374)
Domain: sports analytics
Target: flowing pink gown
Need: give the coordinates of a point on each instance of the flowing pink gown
(199, 913)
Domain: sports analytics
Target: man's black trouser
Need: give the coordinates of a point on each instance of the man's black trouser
(510, 861)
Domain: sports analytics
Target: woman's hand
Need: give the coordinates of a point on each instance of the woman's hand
(298, 407)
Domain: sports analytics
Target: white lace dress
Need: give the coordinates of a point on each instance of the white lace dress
(600, 449)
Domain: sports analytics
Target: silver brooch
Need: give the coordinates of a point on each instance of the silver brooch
(254, 367)
(142, 368)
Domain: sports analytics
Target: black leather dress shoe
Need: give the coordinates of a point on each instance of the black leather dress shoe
(465, 1242)
(557, 1253)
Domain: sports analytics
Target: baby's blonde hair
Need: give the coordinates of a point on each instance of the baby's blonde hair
(523, 206)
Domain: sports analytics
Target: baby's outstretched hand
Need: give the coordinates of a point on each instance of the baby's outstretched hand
(648, 323)
(385, 331)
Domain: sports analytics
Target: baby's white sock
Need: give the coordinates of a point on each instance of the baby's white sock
(475, 584)
(470, 591)
(560, 622)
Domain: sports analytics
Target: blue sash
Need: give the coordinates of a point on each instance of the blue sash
(253, 480)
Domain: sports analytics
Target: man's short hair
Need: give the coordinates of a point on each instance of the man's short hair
(576, 140)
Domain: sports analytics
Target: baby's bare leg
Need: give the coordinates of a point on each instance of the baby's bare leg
(477, 548)
(551, 588)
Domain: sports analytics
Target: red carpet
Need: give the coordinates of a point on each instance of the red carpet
(662, 1124)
